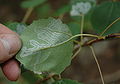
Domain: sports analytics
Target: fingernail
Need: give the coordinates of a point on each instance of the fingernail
(6, 44)
(11, 43)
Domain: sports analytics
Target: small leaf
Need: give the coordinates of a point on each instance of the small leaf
(44, 47)
(104, 15)
(32, 3)
(66, 81)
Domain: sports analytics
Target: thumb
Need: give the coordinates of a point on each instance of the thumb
(9, 43)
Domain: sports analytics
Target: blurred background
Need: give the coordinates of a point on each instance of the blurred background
(83, 67)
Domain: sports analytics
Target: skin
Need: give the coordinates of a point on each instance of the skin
(9, 46)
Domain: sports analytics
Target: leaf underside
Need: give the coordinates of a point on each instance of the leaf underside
(41, 51)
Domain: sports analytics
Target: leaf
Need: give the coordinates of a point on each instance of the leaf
(66, 81)
(75, 24)
(50, 81)
(44, 10)
(29, 78)
(62, 10)
(44, 47)
(74, 27)
(32, 3)
(12, 25)
(103, 15)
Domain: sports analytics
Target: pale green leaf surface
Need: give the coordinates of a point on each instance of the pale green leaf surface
(103, 15)
(44, 49)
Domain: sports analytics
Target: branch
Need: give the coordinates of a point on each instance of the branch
(111, 36)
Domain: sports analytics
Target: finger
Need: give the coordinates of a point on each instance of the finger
(11, 70)
(9, 43)
(5, 30)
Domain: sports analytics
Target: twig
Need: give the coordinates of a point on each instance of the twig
(28, 13)
(101, 75)
(111, 36)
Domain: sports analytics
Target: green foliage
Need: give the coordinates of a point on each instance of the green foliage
(44, 47)
(44, 11)
(29, 78)
(74, 27)
(66, 81)
(103, 15)
(12, 25)
(16, 27)
(62, 10)
(75, 24)
(93, 2)
(32, 3)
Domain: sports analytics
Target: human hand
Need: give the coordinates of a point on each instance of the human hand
(9, 46)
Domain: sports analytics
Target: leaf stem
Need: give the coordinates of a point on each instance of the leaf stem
(60, 76)
(76, 53)
(76, 41)
(85, 35)
(82, 25)
(28, 13)
(71, 38)
(101, 75)
(109, 26)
